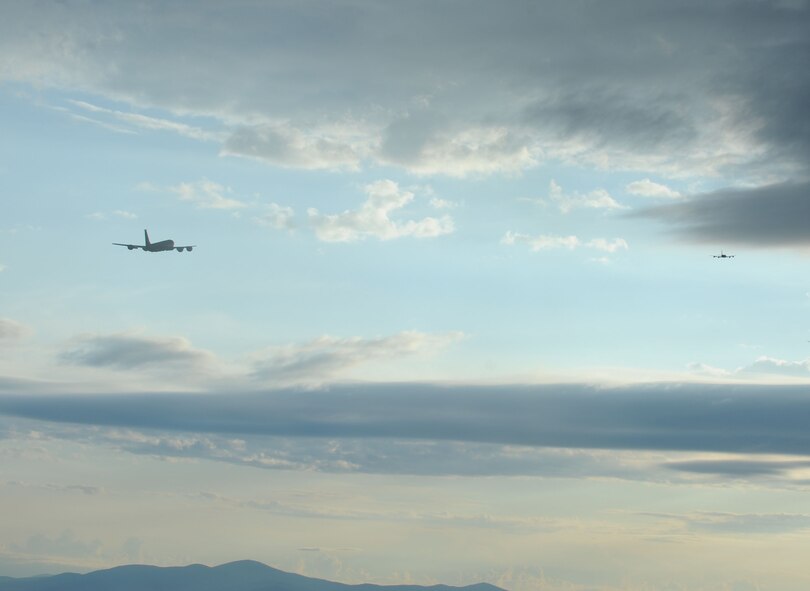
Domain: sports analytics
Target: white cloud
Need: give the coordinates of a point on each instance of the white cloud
(771, 365)
(647, 188)
(541, 242)
(762, 366)
(707, 370)
(330, 147)
(551, 242)
(276, 216)
(143, 122)
(326, 357)
(373, 218)
(607, 246)
(437, 203)
(204, 194)
(426, 145)
(566, 202)
(11, 329)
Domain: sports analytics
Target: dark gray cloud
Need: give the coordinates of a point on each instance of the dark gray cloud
(126, 351)
(737, 468)
(458, 87)
(772, 215)
(721, 418)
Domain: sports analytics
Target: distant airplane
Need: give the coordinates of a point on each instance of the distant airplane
(156, 246)
(723, 255)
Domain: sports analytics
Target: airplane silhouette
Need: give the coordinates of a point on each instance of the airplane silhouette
(156, 246)
(723, 255)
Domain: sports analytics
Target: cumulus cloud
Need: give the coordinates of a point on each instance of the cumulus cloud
(327, 357)
(134, 352)
(771, 365)
(609, 246)
(540, 242)
(550, 242)
(765, 216)
(647, 188)
(566, 202)
(762, 367)
(279, 217)
(373, 218)
(206, 194)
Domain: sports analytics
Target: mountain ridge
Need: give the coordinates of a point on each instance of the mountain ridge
(240, 575)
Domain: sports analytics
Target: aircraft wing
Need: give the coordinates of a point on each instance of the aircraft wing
(129, 246)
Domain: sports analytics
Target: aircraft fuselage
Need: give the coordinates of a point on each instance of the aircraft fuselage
(159, 246)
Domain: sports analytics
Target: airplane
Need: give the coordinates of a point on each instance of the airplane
(723, 255)
(156, 246)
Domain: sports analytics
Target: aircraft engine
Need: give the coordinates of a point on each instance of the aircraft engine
(130, 248)
(180, 249)
(188, 248)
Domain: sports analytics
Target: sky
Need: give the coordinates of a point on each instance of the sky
(453, 312)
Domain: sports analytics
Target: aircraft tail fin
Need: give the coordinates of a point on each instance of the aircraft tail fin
(146, 237)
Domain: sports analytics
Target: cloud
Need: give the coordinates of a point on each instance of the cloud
(608, 246)
(62, 488)
(763, 365)
(276, 216)
(550, 242)
(739, 523)
(770, 365)
(287, 146)
(373, 218)
(426, 144)
(326, 357)
(647, 188)
(141, 121)
(206, 194)
(679, 417)
(11, 330)
(65, 545)
(479, 89)
(738, 468)
(133, 352)
(541, 242)
(765, 216)
(597, 199)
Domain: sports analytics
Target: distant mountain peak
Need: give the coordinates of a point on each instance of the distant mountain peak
(240, 575)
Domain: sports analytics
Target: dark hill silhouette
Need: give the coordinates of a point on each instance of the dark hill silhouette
(244, 575)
